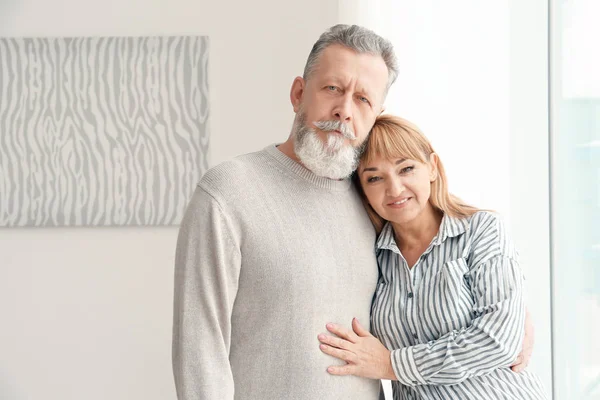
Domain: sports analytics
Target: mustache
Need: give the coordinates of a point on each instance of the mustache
(328, 126)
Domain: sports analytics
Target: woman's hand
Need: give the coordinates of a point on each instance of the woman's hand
(363, 353)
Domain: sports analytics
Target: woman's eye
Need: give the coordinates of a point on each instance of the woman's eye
(406, 170)
(373, 179)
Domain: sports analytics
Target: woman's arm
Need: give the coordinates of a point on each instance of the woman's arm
(493, 340)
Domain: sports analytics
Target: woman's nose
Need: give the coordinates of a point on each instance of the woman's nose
(395, 187)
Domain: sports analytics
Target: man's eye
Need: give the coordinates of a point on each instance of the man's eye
(332, 88)
(364, 100)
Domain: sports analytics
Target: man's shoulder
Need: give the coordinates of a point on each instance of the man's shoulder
(236, 173)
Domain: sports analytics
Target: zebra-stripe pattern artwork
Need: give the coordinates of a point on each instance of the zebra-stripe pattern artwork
(101, 131)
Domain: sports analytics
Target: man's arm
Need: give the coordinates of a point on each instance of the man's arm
(207, 266)
(525, 356)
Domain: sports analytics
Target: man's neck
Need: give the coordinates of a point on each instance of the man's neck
(287, 148)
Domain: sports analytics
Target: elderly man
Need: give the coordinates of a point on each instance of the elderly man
(276, 243)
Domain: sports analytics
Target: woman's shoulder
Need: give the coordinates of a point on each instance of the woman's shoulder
(484, 220)
(489, 235)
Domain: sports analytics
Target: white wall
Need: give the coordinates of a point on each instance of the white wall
(454, 84)
(86, 313)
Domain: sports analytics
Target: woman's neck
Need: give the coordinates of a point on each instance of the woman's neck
(418, 233)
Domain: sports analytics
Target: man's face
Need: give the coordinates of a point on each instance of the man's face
(336, 108)
(346, 87)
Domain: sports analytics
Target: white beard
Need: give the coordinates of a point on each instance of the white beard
(334, 159)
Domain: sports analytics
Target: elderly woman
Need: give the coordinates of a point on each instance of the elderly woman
(448, 311)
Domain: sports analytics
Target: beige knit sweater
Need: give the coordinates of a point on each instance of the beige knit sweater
(267, 254)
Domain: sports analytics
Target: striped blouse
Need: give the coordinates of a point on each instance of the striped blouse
(454, 321)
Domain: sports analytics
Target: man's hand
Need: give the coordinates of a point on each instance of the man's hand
(525, 355)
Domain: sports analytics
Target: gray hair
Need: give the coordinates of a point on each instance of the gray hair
(359, 39)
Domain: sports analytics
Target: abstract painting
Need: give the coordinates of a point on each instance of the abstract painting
(106, 131)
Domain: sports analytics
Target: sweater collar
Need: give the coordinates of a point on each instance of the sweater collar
(304, 173)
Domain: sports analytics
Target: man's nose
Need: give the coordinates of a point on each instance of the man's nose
(343, 110)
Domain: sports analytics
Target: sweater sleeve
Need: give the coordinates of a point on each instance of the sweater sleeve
(207, 267)
(492, 341)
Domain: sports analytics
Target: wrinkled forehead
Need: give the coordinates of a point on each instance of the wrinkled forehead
(367, 72)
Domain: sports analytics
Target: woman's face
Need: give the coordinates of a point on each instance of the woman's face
(398, 190)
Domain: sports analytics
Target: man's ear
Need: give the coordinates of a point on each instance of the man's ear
(296, 92)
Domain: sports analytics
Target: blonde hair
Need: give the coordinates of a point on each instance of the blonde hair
(392, 138)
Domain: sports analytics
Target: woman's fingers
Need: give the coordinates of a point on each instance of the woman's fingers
(343, 355)
(359, 329)
(342, 332)
(342, 370)
(365, 355)
(334, 341)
